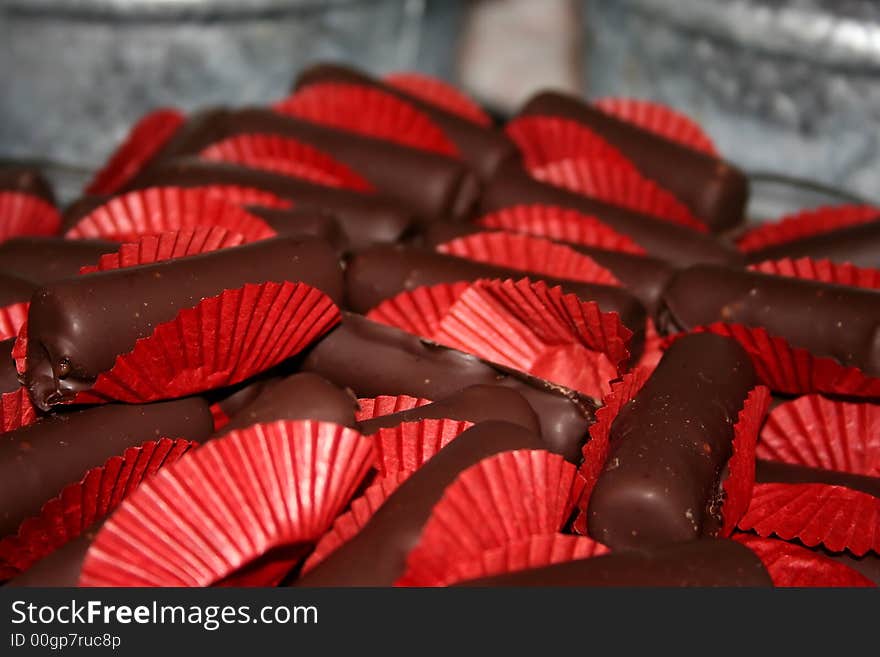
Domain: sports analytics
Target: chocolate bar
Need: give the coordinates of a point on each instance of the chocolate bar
(376, 556)
(789, 473)
(714, 190)
(77, 327)
(373, 359)
(37, 461)
(679, 245)
(318, 224)
(304, 396)
(8, 375)
(433, 185)
(835, 321)
(485, 148)
(859, 245)
(478, 403)
(669, 446)
(42, 260)
(705, 562)
(14, 289)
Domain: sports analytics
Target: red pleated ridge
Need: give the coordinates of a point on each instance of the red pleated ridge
(372, 407)
(823, 271)
(16, 410)
(409, 445)
(11, 319)
(419, 311)
(806, 223)
(435, 92)
(24, 215)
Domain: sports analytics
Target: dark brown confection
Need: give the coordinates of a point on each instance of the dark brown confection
(381, 272)
(836, 321)
(868, 565)
(306, 222)
(304, 396)
(484, 148)
(27, 181)
(365, 218)
(61, 567)
(788, 473)
(376, 556)
(476, 404)
(231, 400)
(42, 260)
(669, 447)
(373, 359)
(8, 375)
(714, 190)
(859, 245)
(14, 289)
(643, 276)
(77, 327)
(433, 185)
(706, 562)
(679, 245)
(37, 461)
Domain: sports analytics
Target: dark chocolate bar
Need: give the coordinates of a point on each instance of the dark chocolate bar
(376, 556)
(304, 396)
(669, 447)
(714, 190)
(484, 148)
(476, 404)
(37, 461)
(679, 245)
(373, 359)
(705, 562)
(77, 327)
(8, 375)
(42, 260)
(433, 185)
(27, 181)
(14, 289)
(789, 473)
(835, 321)
(366, 218)
(319, 224)
(859, 245)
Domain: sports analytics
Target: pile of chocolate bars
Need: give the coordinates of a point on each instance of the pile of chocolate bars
(367, 337)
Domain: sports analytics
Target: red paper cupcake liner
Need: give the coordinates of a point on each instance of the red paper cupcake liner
(560, 224)
(503, 498)
(162, 209)
(652, 352)
(793, 370)
(81, 504)
(144, 140)
(821, 270)
(419, 312)
(822, 433)
(409, 445)
(546, 139)
(620, 185)
(523, 554)
(836, 517)
(530, 254)
(791, 565)
(372, 407)
(16, 410)
(167, 246)
(24, 215)
(347, 526)
(661, 120)
(11, 319)
(804, 224)
(369, 112)
(286, 156)
(440, 94)
(198, 522)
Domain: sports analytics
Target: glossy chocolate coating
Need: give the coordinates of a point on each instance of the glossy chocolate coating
(82, 324)
(669, 447)
(714, 190)
(679, 245)
(788, 473)
(643, 276)
(373, 359)
(366, 218)
(829, 320)
(14, 289)
(304, 223)
(485, 148)
(380, 272)
(27, 181)
(376, 556)
(8, 375)
(37, 461)
(304, 396)
(433, 185)
(859, 245)
(476, 404)
(42, 260)
(705, 562)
